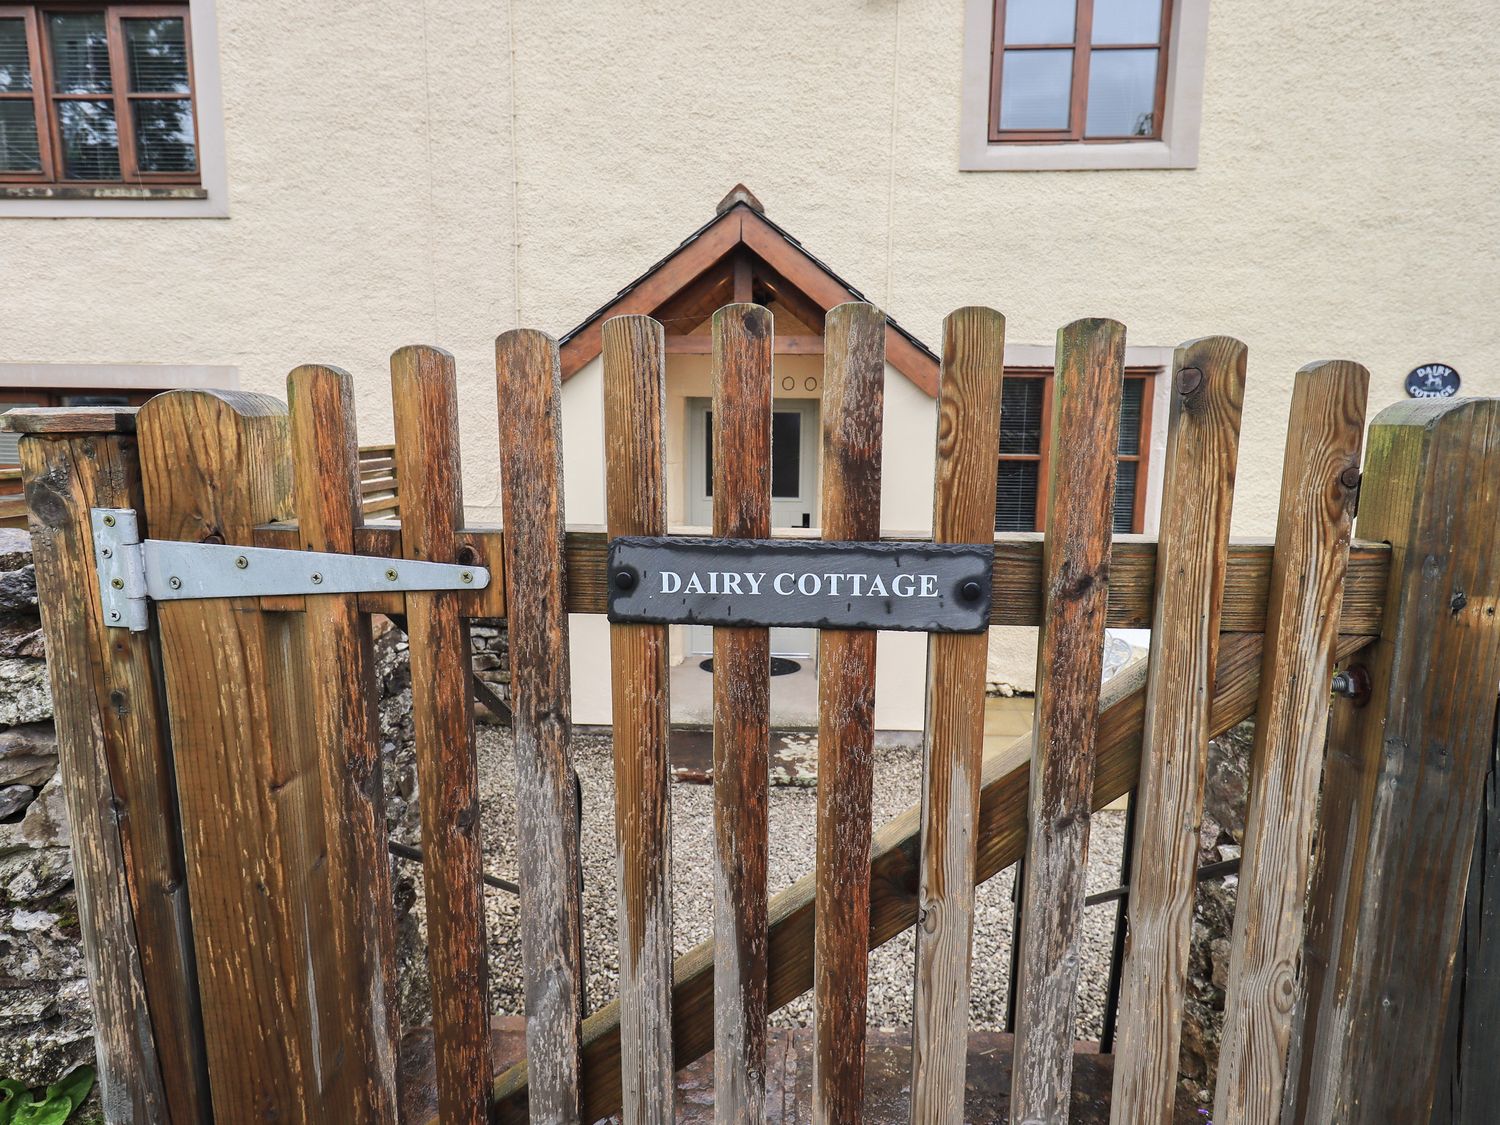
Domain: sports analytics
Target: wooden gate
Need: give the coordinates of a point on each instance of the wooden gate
(224, 766)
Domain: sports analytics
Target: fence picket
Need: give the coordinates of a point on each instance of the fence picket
(1080, 503)
(1319, 481)
(115, 758)
(634, 398)
(424, 397)
(968, 452)
(1198, 483)
(853, 401)
(364, 1019)
(213, 465)
(530, 389)
(741, 702)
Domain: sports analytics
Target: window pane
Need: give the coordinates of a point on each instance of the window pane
(1015, 496)
(1021, 415)
(91, 145)
(15, 59)
(1124, 520)
(1127, 21)
(80, 53)
(156, 53)
(708, 453)
(164, 135)
(1131, 398)
(18, 147)
(786, 454)
(1039, 21)
(1122, 94)
(1035, 87)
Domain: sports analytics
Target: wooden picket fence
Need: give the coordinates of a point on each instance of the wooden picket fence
(224, 772)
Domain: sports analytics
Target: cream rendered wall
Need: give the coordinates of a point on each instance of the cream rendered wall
(424, 172)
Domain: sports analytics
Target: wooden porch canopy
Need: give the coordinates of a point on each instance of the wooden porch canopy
(740, 255)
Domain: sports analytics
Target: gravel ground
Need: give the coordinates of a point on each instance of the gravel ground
(793, 812)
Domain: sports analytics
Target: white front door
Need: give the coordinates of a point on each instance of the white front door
(794, 494)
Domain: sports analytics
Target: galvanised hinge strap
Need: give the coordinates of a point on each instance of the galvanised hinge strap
(131, 571)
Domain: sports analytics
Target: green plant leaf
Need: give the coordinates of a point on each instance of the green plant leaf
(12, 1095)
(54, 1109)
(76, 1084)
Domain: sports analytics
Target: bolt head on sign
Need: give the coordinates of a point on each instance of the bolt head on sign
(1432, 380)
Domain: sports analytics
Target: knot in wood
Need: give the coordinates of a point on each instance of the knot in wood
(1189, 379)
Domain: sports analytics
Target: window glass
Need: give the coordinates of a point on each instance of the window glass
(1015, 495)
(1122, 94)
(1039, 21)
(1127, 21)
(19, 151)
(1132, 395)
(1021, 415)
(156, 54)
(80, 53)
(1124, 515)
(1035, 89)
(90, 141)
(15, 58)
(164, 135)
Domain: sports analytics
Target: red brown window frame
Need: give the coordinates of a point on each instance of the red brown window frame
(1142, 456)
(1083, 49)
(48, 124)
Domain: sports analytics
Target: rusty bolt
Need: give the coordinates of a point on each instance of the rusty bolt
(1189, 379)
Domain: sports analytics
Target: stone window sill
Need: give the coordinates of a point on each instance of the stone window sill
(102, 191)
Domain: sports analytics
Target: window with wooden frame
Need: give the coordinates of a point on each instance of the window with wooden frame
(1025, 431)
(96, 94)
(1079, 70)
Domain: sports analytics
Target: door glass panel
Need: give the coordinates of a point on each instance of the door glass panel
(1127, 21)
(1039, 21)
(1035, 88)
(80, 53)
(1122, 94)
(786, 454)
(15, 59)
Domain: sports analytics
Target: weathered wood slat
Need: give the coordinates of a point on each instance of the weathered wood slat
(968, 447)
(853, 401)
(362, 1017)
(69, 420)
(741, 703)
(530, 390)
(424, 396)
(1001, 836)
(1198, 485)
(634, 403)
(115, 762)
(1319, 484)
(1404, 777)
(1080, 505)
(213, 465)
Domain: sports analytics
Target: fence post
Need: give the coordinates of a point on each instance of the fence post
(116, 766)
(1404, 776)
(213, 465)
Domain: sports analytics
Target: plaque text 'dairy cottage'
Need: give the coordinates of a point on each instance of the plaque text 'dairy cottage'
(802, 583)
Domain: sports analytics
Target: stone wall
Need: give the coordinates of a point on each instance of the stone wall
(45, 1012)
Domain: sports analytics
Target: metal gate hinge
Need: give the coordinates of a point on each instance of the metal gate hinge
(132, 571)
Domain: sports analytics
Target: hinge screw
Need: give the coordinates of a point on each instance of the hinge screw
(317, 578)
(466, 577)
(114, 615)
(107, 553)
(109, 521)
(390, 575)
(117, 583)
(242, 562)
(175, 582)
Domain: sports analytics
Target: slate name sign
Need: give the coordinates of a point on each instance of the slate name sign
(801, 583)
